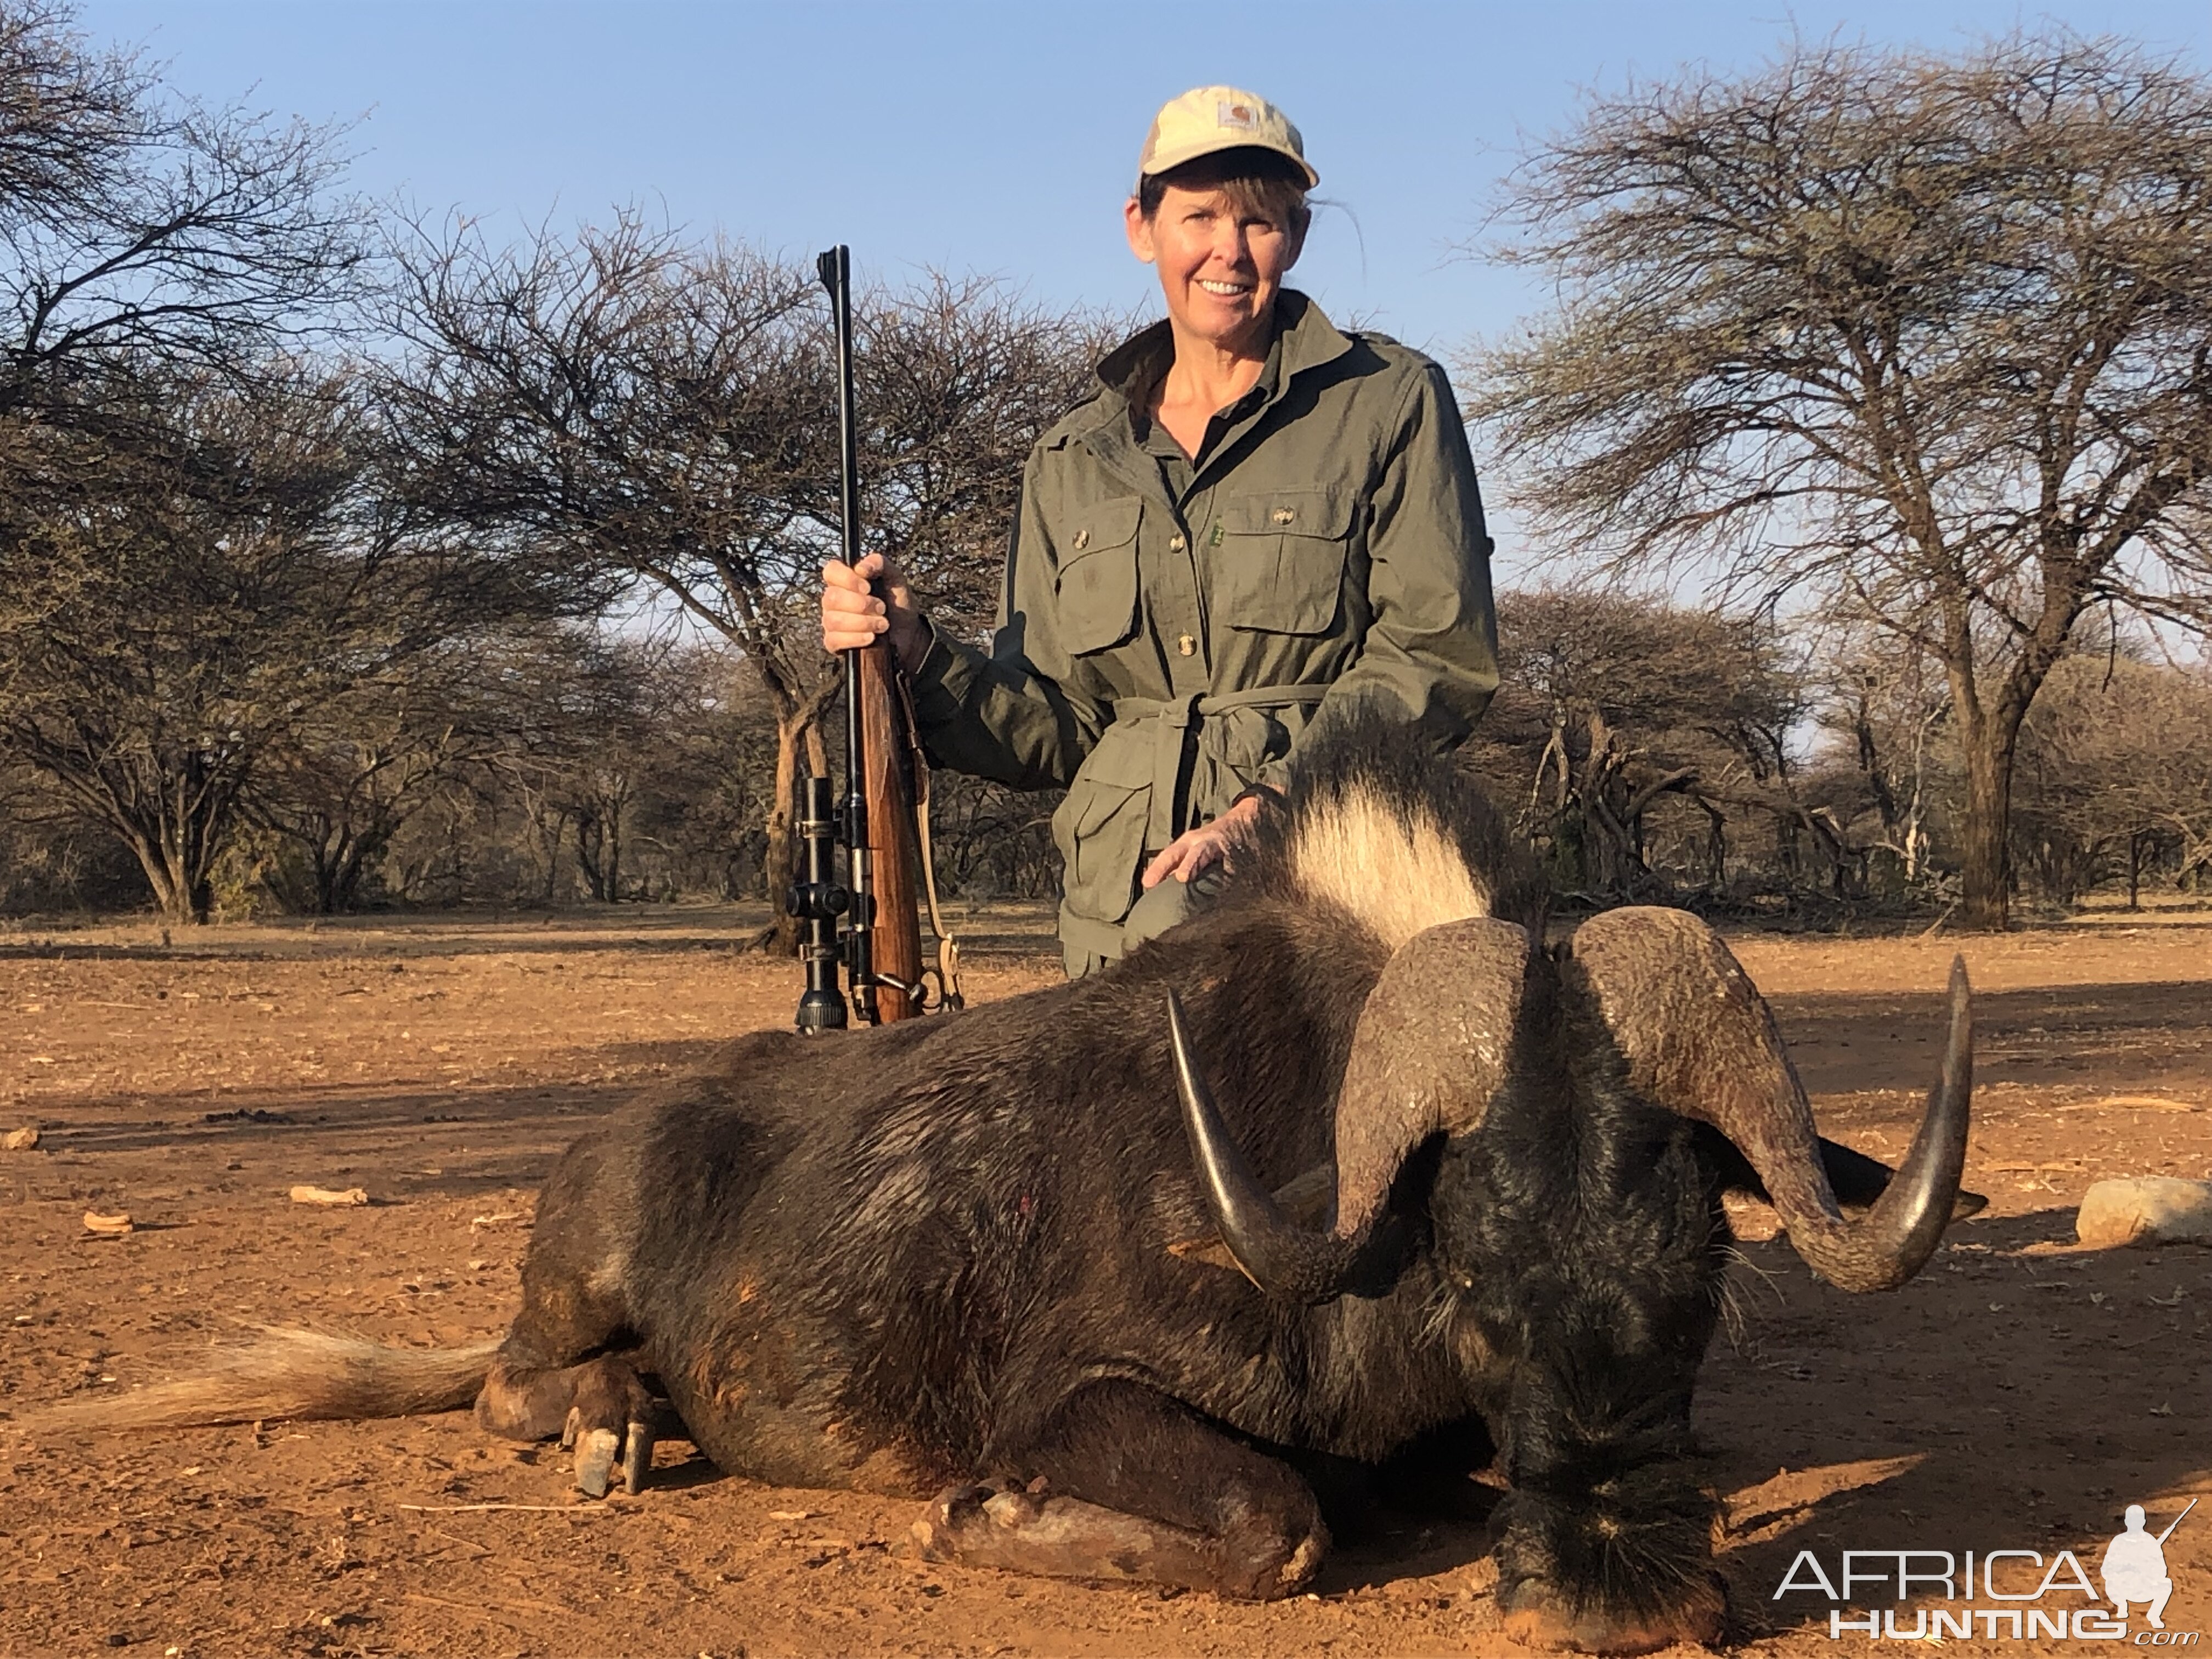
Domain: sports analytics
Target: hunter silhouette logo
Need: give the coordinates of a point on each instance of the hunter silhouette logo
(2134, 1567)
(2033, 1601)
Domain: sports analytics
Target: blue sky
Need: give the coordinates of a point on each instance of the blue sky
(1001, 138)
(986, 137)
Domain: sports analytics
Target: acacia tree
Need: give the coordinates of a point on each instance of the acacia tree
(707, 765)
(1921, 340)
(174, 615)
(666, 414)
(1890, 705)
(2116, 764)
(176, 480)
(333, 788)
(638, 408)
(139, 225)
(1612, 705)
(199, 589)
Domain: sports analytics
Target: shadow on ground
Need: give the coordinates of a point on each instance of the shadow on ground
(2018, 1395)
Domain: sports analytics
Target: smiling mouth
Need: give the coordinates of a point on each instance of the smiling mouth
(1225, 290)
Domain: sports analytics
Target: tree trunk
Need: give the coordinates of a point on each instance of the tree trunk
(325, 859)
(780, 863)
(168, 897)
(1610, 864)
(546, 842)
(178, 866)
(186, 896)
(1717, 846)
(591, 842)
(342, 890)
(1885, 799)
(1985, 869)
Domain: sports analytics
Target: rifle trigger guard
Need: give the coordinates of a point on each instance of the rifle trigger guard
(917, 991)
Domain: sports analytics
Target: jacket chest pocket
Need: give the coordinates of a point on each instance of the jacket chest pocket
(1279, 563)
(1098, 579)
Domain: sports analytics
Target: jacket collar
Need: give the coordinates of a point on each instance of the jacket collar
(1305, 339)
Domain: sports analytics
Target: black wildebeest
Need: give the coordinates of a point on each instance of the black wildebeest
(986, 1255)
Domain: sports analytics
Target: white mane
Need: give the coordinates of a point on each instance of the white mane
(1396, 874)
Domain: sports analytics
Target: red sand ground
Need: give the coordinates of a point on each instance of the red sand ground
(2018, 1395)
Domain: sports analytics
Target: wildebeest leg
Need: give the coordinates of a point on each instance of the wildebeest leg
(566, 1367)
(1122, 1482)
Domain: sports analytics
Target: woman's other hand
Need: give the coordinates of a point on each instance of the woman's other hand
(852, 616)
(1203, 846)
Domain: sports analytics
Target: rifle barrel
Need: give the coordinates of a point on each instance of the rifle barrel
(836, 269)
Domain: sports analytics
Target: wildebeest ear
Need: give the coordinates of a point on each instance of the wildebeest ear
(1309, 1200)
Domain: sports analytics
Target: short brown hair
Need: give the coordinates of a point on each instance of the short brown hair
(1256, 181)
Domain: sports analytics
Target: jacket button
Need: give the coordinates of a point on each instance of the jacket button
(1082, 540)
(1175, 544)
(1186, 646)
(1284, 515)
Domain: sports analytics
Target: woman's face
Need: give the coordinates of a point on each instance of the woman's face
(1220, 270)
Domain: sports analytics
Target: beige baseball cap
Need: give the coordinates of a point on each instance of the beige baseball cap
(1209, 119)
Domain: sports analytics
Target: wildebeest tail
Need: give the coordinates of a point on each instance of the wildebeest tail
(287, 1373)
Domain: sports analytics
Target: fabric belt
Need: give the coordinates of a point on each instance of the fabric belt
(1174, 719)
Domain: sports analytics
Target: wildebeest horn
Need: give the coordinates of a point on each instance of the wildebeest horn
(1427, 1054)
(1700, 1040)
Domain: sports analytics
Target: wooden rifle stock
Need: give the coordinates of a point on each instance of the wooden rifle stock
(887, 758)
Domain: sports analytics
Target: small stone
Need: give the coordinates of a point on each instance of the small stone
(351, 1198)
(2145, 1210)
(19, 1140)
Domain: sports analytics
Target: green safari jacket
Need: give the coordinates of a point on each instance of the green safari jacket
(1169, 629)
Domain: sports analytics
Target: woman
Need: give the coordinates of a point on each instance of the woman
(1253, 521)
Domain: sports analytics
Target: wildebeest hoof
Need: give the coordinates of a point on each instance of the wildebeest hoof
(1015, 1506)
(611, 1420)
(980, 1504)
(637, 1456)
(1537, 1616)
(956, 1506)
(596, 1452)
(600, 1448)
(1026, 1528)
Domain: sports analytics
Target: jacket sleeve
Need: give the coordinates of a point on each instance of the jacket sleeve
(1007, 714)
(1431, 643)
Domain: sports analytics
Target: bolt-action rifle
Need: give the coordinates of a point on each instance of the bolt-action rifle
(884, 824)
